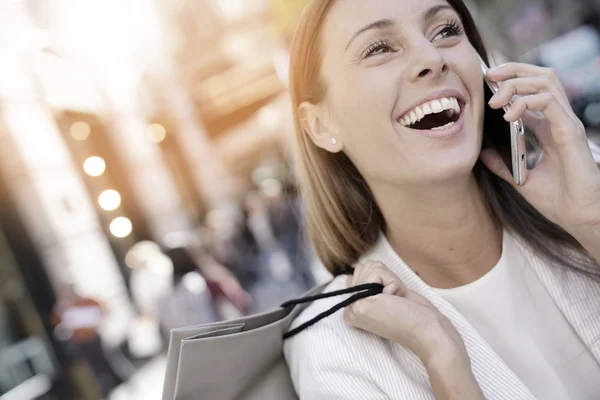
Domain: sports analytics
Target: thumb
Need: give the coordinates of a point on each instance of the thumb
(492, 160)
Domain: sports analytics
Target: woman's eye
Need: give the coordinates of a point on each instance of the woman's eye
(446, 32)
(377, 48)
(451, 29)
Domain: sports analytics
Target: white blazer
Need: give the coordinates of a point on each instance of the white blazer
(331, 360)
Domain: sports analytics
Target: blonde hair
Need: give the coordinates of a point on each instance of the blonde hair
(343, 218)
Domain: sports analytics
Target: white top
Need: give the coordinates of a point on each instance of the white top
(514, 313)
(331, 360)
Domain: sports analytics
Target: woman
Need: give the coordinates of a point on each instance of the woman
(490, 290)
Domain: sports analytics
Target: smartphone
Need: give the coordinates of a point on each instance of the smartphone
(513, 151)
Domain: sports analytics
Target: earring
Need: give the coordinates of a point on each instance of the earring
(333, 141)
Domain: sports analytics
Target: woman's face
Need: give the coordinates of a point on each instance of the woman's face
(385, 62)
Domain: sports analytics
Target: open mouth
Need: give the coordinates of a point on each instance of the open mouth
(433, 115)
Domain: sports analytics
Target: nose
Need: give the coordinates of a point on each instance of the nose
(428, 62)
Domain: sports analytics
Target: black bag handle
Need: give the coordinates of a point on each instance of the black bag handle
(362, 291)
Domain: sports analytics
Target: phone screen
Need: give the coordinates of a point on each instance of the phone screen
(497, 131)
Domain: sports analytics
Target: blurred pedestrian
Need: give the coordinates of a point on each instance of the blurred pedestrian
(231, 244)
(203, 290)
(78, 319)
(151, 275)
(284, 213)
(151, 279)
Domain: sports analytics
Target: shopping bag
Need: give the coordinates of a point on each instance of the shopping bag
(243, 359)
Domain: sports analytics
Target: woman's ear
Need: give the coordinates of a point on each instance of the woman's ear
(314, 125)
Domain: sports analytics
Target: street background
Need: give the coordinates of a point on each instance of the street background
(146, 180)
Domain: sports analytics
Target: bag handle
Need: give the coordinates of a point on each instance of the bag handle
(363, 291)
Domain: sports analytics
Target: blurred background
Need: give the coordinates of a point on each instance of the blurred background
(146, 180)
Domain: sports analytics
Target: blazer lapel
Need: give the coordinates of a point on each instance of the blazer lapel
(577, 296)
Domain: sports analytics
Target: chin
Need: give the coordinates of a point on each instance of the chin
(451, 164)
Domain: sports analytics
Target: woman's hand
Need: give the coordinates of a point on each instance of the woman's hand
(565, 185)
(401, 315)
(405, 317)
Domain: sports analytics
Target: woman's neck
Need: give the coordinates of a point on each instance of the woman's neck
(445, 233)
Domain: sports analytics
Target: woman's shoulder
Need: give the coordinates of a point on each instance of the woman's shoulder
(331, 359)
(333, 324)
(327, 342)
(328, 332)
(320, 358)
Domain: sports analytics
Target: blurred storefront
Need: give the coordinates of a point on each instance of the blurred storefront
(230, 59)
(33, 364)
(121, 123)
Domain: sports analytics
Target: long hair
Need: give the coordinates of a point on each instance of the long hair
(343, 218)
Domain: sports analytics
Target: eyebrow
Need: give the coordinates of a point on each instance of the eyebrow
(386, 23)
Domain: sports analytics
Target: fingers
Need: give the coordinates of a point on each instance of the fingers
(523, 79)
(562, 124)
(544, 102)
(509, 71)
(377, 272)
(514, 70)
(405, 318)
(515, 86)
(530, 86)
(524, 86)
(380, 310)
(534, 89)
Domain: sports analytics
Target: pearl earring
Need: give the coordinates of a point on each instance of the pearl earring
(333, 141)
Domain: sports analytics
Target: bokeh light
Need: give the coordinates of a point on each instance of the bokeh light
(156, 133)
(80, 130)
(94, 166)
(109, 200)
(121, 227)
(269, 118)
(592, 114)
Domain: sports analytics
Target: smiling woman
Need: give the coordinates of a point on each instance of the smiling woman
(403, 187)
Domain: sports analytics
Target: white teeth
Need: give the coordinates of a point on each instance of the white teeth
(448, 104)
(420, 113)
(413, 117)
(455, 105)
(436, 106)
(439, 128)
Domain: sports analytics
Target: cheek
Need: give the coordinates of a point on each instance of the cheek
(366, 129)
(362, 104)
(472, 78)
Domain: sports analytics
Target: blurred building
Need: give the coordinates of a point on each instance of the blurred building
(122, 122)
(234, 66)
(520, 26)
